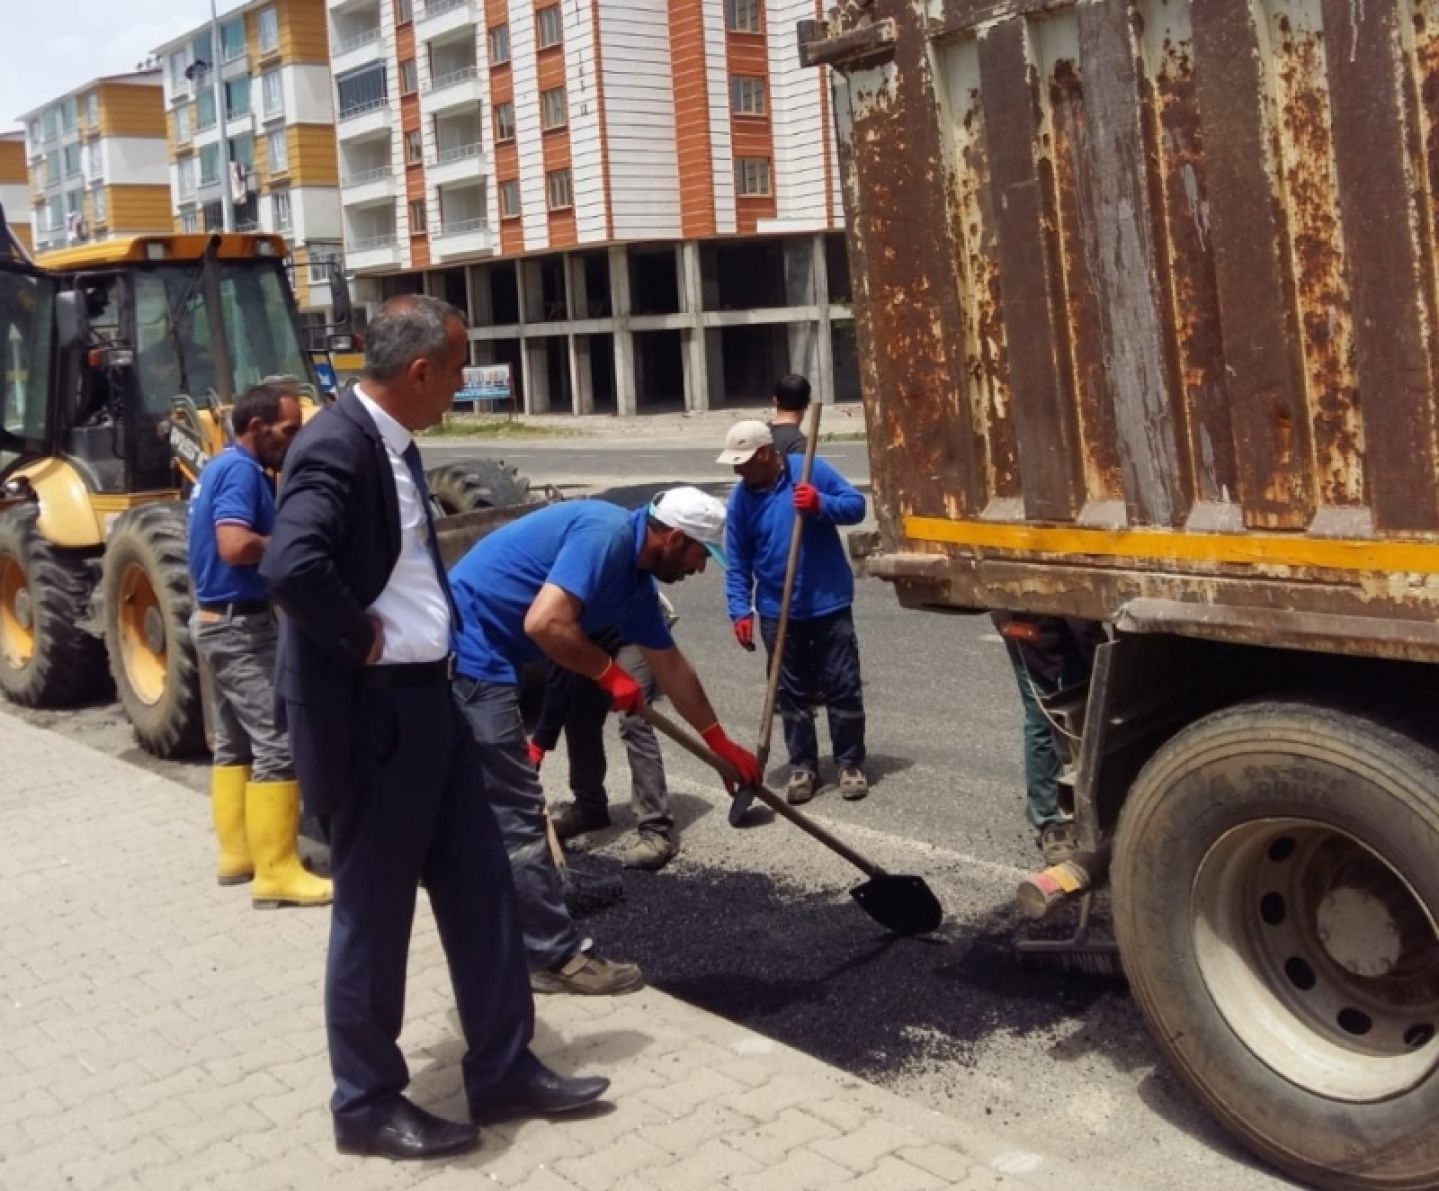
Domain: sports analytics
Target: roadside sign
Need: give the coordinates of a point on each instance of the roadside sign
(487, 382)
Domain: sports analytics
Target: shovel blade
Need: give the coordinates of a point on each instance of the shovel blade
(899, 902)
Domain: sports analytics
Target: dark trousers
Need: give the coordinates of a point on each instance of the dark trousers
(511, 786)
(1041, 760)
(820, 654)
(416, 812)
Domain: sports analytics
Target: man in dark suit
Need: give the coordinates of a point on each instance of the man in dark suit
(363, 676)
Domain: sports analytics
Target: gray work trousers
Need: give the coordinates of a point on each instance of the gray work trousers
(512, 787)
(585, 742)
(238, 656)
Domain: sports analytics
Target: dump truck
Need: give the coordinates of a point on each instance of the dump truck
(1148, 315)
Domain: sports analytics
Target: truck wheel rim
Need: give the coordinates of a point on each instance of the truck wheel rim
(17, 634)
(144, 657)
(1320, 957)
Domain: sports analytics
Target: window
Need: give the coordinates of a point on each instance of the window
(51, 119)
(72, 160)
(322, 257)
(184, 123)
(742, 16)
(232, 40)
(205, 110)
(280, 210)
(414, 146)
(404, 11)
(499, 45)
(272, 89)
(277, 150)
(361, 90)
(237, 97)
(746, 95)
(99, 200)
(505, 121)
(92, 109)
(55, 214)
(186, 168)
(551, 29)
(559, 190)
(242, 149)
(52, 168)
(179, 84)
(209, 165)
(553, 110)
(74, 202)
(419, 217)
(68, 112)
(509, 200)
(270, 29)
(409, 79)
(189, 221)
(213, 215)
(752, 176)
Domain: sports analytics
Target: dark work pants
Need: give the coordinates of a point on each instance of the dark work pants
(820, 654)
(1041, 759)
(417, 811)
(511, 786)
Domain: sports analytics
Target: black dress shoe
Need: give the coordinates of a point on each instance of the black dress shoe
(538, 1091)
(406, 1132)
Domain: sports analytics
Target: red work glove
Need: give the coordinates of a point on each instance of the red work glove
(624, 692)
(741, 758)
(537, 755)
(744, 632)
(806, 499)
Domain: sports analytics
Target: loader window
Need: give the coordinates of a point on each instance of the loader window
(27, 311)
(172, 338)
(263, 338)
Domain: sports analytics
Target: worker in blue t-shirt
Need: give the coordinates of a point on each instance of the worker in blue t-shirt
(540, 587)
(821, 651)
(253, 793)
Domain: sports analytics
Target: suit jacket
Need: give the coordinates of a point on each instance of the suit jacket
(335, 543)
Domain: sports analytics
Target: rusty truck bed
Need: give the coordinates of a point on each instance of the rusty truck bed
(1146, 298)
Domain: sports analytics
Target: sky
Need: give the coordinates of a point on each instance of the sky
(49, 47)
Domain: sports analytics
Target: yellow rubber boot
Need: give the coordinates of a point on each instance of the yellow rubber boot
(272, 816)
(227, 805)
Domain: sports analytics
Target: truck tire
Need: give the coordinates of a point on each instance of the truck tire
(147, 599)
(1275, 901)
(477, 484)
(46, 658)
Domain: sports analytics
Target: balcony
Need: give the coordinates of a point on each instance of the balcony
(438, 17)
(454, 88)
(465, 237)
(364, 119)
(368, 187)
(356, 49)
(373, 252)
(458, 163)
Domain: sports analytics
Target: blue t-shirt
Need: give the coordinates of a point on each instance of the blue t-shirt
(232, 490)
(587, 547)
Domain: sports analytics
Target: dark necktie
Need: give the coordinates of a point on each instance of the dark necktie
(411, 457)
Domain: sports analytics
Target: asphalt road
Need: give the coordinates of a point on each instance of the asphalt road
(755, 923)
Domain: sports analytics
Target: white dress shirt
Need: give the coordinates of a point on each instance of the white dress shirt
(413, 607)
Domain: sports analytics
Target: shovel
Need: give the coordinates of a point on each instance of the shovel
(743, 798)
(899, 902)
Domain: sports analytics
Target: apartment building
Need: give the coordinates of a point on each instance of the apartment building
(636, 200)
(274, 104)
(97, 161)
(15, 187)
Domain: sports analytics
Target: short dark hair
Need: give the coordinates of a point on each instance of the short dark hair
(791, 392)
(408, 328)
(258, 401)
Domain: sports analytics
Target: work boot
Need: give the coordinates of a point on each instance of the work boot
(272, 820)
(801, 788)
(853, 785)
(1058, 841)
(651, 851)
(227, 806)
(585, 974)
(575, 818)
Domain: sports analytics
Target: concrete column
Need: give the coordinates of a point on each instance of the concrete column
(625, 380)
(534, 381)
(582, 390)
(799, 290)
(822, 383)
(696, 339)
(477, 291)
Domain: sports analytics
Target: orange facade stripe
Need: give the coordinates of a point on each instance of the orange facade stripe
(550, 65)
(751, 136)
(692, 117)
(604, 129)
(414, 170)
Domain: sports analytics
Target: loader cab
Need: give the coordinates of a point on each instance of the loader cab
(172, 328)
(27, 362)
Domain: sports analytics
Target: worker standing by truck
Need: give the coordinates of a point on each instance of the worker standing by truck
(821, 650)
(538, 588)
(791, 403)
(254, 798)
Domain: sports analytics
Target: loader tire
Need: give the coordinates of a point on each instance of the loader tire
(1275, 901)
(46, 658)
(477, 484)
(147, 598)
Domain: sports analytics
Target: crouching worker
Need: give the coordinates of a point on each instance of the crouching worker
(253, 793)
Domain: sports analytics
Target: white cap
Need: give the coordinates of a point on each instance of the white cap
(695, 514)
(743, 440)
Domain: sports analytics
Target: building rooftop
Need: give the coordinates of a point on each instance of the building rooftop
(133, 78)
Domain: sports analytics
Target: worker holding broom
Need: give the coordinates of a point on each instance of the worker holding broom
(539, 587)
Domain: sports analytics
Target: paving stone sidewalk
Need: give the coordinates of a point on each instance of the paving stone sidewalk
(155, 1032)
